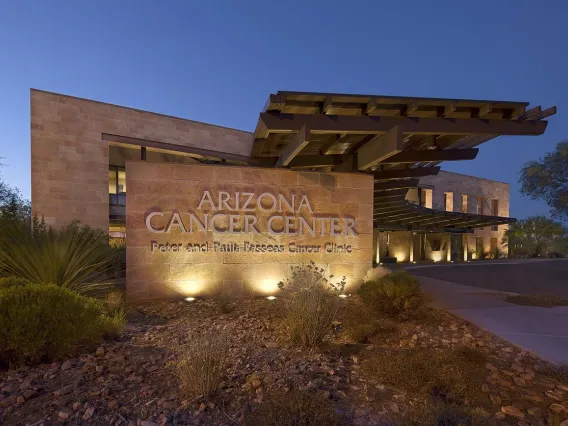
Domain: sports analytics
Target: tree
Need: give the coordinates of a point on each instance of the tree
(547, 179)
(13, 207)
(533, 236)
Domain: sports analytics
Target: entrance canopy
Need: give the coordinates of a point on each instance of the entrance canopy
(397, 139)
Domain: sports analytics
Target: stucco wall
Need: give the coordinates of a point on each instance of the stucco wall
(69, 159)
(169, 187)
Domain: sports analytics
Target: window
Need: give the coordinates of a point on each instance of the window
(464, 203)
(449, 201)
(495, 212)
(436, 245)
(117, 194)
(479, 205)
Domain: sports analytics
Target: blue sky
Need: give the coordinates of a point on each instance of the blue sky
(217, 61)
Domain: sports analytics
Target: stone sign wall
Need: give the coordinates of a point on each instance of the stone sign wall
(201, 230)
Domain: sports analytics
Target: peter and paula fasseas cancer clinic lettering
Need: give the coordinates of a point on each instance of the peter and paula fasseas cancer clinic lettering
(236, 213)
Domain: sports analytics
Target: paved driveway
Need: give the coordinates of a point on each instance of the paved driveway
(543, 331)
(532, 276)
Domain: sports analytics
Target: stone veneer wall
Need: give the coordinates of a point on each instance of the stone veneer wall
(172, 186)
(69, 159)
(474, 187)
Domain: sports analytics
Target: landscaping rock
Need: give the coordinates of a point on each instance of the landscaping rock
(512, 411)
(130, 382)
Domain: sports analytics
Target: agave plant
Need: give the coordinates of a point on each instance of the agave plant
(76, 257)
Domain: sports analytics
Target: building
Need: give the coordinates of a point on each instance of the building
(82, 151)
(451, 192)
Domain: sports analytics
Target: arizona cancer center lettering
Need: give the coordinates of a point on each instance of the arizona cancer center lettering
(238, 213)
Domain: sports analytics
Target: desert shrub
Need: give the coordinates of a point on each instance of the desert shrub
(12, 282)
(312, 303)
(541, 300)
(46, 322)
(113, 323)
(202, 363)
(295, 408)
(445, 415)
(448, 375)
(362, 332)
(114, 302)
(395, 295)
(375, 273)
(557, 372)
(76, 257)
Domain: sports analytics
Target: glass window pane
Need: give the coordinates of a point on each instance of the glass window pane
(121, 182)
(112, 181)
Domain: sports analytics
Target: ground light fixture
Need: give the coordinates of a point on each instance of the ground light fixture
(271, 297)
(343, 296)
(189, 299)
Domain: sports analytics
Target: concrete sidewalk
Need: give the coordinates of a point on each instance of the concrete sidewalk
(543, 331)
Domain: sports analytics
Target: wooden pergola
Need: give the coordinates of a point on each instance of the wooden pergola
(397, 139)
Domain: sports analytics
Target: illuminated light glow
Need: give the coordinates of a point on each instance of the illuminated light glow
(437, 256)
(271, 298)
(343, 296)
(190, 299)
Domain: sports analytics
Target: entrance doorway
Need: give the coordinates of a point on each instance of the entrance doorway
(456, 247)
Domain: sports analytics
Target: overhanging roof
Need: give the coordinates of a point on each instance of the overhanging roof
(397, 139)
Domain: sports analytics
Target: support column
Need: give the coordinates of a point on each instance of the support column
(465, 251)
(411, 254)
(449, 253)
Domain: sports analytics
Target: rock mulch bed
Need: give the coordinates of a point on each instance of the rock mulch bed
(131, 381)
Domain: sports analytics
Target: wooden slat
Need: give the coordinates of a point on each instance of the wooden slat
(396, 184)
(294, 147)
(360, 124)
(380, 149)
(406, 173)
(428, 155)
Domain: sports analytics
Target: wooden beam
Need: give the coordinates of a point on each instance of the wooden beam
(428, 155)
(327, 105)
(396, 184)
(406, 173)
(361, 124)
(276, 102)
(358, 145)
(371, 106)
(380, 149)
(294, 147)
(412, 108)
(485, 109)
(450, 109)
(308, 161)
(334, 141)
(543, 114)
(531, 113)
(190, 151)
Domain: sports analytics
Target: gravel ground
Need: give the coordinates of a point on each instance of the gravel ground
(129, 382)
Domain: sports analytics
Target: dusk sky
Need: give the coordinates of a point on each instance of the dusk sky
(217, 62)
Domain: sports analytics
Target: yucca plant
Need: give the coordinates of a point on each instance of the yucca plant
(75, 257)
